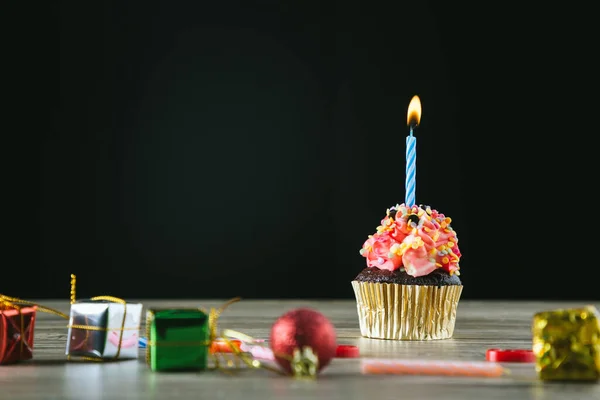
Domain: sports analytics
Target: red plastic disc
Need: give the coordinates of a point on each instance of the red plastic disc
(510, 355)
(346, 351)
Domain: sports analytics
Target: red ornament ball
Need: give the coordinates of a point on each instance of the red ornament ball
(301, 328)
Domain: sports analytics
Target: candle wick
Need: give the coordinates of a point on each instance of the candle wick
(412, 126)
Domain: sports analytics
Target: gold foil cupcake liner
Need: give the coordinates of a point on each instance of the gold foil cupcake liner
(406, 312)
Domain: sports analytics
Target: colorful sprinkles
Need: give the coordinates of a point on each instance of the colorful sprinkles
(419, 229)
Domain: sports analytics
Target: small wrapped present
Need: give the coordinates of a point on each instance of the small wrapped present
(566, 343)
(178, 339)
(16, 332)
(104, 328)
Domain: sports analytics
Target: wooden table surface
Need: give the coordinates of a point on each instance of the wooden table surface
(480, 325)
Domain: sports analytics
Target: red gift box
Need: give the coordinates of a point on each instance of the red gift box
(16, 333)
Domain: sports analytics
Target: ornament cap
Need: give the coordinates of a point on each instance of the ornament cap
(305, 363)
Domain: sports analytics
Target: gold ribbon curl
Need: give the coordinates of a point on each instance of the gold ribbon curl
(304, 362)
(213, 317)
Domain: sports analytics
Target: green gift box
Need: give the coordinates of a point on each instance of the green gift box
(178, 339)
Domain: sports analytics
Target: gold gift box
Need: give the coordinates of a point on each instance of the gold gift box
(566, 343)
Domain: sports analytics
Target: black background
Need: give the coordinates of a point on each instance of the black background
(214, 149)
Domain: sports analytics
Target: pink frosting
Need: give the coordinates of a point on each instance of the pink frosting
(378, 252)
(418, 239)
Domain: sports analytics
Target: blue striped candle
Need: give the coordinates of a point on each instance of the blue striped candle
(413, 118)
(411, 169)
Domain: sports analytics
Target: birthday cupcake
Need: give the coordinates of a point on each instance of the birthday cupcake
(411, 287)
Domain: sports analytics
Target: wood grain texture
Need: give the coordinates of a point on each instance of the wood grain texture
(480, 325)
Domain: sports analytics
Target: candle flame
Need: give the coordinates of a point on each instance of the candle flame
(413, 117)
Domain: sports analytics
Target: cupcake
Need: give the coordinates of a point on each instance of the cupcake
(411, 287)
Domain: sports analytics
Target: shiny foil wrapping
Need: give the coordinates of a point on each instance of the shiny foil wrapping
(566, 343)
(16, 333)
(104, 330)
(178, 339)
(406, 312)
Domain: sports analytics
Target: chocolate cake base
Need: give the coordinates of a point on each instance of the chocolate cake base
(439, 277)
